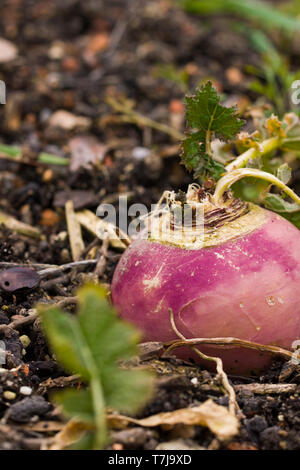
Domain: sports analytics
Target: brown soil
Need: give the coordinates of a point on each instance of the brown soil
(72, 56)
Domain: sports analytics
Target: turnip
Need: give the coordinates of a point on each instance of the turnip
(240, 278)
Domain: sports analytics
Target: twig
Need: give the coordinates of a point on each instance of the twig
(8, 264)
(288, 369)
(66, 302)
(54, 284)
(74, 231)
(64, 267)
(101, 265)
(20, 322)
(233, 405)
(115, 38)
(266, 389)
(88, 248)
(129, 115)
(59, 382)
(19, 227)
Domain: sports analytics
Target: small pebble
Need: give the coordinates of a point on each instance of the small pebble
(62, 236)
(49, 218)
(8, 395)
(195, 381)
(26, 391)
(140, 153)
(48, 175)
(117, 446)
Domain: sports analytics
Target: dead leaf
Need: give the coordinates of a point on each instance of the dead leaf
(179, 444)
(216, 417)
(86, 152)
(8, 51)
(68, 121)
(71, 433)
(19, 279)
(74, 231)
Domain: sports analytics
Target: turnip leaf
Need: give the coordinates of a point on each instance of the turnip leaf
(284, 173)
(205, 113)
(277, 204)
(91, 344)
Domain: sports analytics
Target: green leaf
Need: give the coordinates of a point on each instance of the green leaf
(91, 344)
(277, 204)
(62, 333)
(85, 443)
(258, 10)
(294, 218)
(288, 210)
(96, 325)
(76, 403)
(10, 150)
(51, 159)
(170, 72)
(205, 113)
(128, 390)
(292, 143)
(284, 173)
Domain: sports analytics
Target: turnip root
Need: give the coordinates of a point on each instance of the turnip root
(242, 283)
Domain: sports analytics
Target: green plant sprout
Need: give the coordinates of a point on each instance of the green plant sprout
(205, 113)
(91, 344)
(255, 10)
(15, 153)
(274, 77)
(173, 74)
(210, 120)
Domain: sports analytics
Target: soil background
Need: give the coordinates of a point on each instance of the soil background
(75, 56)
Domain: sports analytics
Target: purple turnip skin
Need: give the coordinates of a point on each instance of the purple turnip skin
(247, 287)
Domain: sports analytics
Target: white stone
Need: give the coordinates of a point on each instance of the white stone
(26, 390)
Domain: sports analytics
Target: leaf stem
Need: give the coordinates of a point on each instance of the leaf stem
(208, 144)
(130, 115)
(99, 408)
(265, 147)
(96, 392)
(229, 178)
